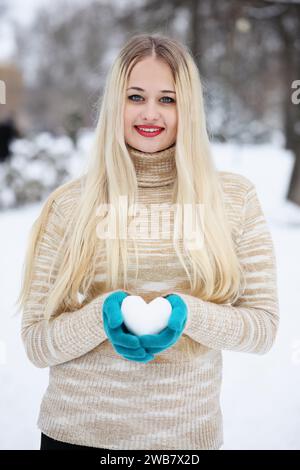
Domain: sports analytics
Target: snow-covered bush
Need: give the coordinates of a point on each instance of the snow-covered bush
(39, 165)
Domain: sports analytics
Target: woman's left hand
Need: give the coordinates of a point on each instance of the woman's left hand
(169, 335)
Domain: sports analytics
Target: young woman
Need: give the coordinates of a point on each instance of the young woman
(110, 388)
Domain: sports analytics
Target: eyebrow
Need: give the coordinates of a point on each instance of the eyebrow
(141, 89)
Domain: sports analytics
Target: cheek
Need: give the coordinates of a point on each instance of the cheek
(126, 115)
(129, 118)
(172, 115)
(173, 122)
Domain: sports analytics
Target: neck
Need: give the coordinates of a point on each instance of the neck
(154, 168)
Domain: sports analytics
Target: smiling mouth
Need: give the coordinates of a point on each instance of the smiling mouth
(147, 133)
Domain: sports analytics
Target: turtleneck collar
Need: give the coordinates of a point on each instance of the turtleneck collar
(154, 168)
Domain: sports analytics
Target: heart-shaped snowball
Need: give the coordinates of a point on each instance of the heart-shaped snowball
(145, 319)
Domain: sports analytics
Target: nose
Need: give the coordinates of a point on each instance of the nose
(150, 112)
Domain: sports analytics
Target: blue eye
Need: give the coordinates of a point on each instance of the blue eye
(168, 97)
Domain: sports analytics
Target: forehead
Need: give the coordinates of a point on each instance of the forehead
(151, 73)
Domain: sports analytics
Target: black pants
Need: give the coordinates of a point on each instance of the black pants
(47, 443)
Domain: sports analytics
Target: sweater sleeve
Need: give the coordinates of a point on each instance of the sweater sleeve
(70, 334)
(251, 323)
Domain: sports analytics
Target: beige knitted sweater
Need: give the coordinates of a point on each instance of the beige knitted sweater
(97, 398)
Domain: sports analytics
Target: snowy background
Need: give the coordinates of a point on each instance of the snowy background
(260, 394)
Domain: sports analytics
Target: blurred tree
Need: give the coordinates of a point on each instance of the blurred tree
(8, 132)
(64, 59)
(284, 16)
(3, 7)
(288, 24)
(72, 123)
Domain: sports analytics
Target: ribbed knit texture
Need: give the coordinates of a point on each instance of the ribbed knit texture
(96, 397)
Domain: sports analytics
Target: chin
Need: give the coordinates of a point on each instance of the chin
(151, 146)
(155, 147)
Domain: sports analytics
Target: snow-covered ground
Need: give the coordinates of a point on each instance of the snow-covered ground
(260, 394)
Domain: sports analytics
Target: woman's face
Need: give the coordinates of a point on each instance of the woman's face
(153, 104)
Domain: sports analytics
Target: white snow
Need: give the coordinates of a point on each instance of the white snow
(260, 396)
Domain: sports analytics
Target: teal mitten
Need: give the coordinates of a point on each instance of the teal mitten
(124, 343)
(169, 335)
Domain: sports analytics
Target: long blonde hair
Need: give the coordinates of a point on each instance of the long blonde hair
(216, 272)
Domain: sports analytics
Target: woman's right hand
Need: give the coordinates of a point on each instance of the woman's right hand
(125, 343)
